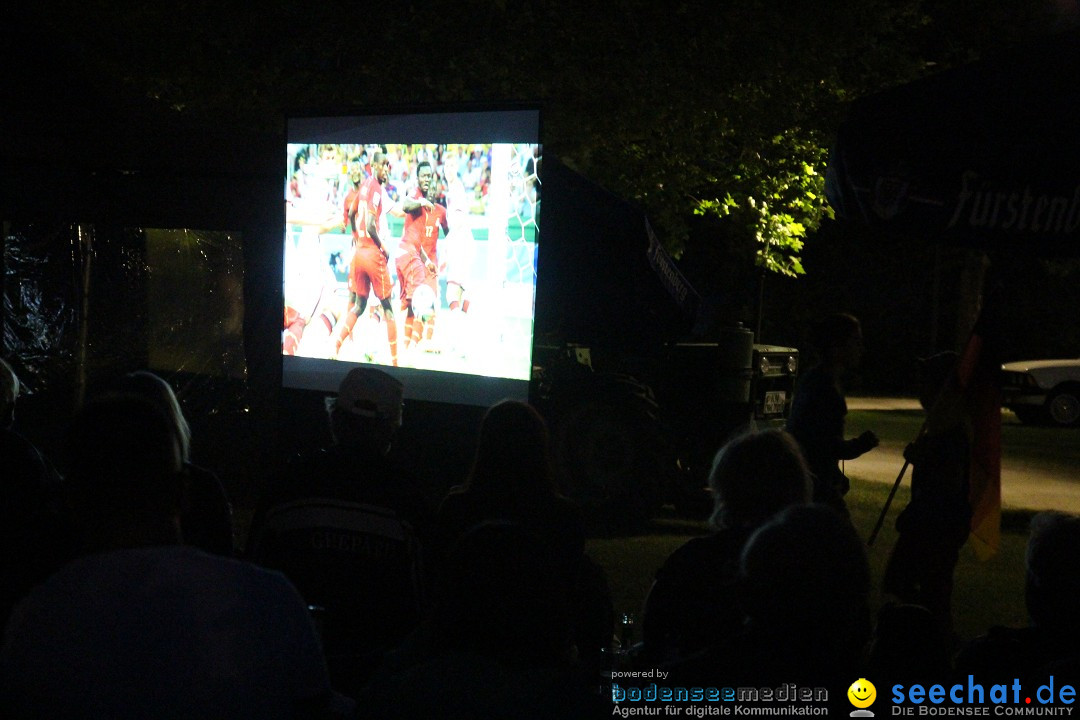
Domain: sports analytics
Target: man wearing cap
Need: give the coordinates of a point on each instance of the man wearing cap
(345, 525)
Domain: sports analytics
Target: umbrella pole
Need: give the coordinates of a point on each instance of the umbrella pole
(760, 306)
(935, 303)
(888, 502)
(85, 236)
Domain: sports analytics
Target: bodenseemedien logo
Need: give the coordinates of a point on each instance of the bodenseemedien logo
(862, 694)
(698, 702)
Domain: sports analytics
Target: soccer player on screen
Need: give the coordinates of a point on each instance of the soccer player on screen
(311, 309)
(457, 246)
(315, 323)
(356, 178)
(418, 263)
(366, 213)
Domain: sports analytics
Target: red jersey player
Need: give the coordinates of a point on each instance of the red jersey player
(308, 293)
(418, 262)
(365, 213)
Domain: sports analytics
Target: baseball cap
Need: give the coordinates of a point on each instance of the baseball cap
(369, 393)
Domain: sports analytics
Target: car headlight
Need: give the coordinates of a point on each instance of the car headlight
(792, 364)
(764, 366)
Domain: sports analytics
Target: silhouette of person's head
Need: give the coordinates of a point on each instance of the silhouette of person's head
(756, 475)
(805, 582)
(9, 393)
(934, 372)
(1052, 585)
(367, 411)
(123, 481)
(152, 387)
(207, 514)
(512, 453)
(838, 340)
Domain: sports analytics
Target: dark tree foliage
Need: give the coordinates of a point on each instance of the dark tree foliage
(721, 109)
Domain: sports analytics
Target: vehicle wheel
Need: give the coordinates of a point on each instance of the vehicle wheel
(1031, 415)
(1063, 406)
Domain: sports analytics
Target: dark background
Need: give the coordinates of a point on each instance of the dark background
(122, 116)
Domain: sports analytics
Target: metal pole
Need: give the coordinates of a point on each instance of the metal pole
(85, 240)
(935, 302)
(760, 306)
(888, 502)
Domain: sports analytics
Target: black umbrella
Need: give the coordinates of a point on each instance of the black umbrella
(985, 155)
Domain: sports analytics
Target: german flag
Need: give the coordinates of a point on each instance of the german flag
(979, 377)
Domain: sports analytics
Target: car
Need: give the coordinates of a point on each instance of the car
(773, 386)
(1042, 391)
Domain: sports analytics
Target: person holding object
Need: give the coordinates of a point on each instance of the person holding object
(819, 410)
(936, 522)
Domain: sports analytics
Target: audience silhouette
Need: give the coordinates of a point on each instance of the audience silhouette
(693, 602)
(512, 479)
(805, 591)
(143, 626)
(119, 601)
(207, 517)
(346, 526)
(499, 642)
(35, 531)
(1052, 598)
(908, 646)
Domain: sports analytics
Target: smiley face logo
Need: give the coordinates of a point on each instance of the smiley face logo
(862, 693)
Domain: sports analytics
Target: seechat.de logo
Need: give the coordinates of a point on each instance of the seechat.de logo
(975, 698)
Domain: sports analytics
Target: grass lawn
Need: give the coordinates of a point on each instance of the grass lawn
(1045, 448)
(985, 592)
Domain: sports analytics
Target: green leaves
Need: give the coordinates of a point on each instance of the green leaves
(775, 197)
(721, 109)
